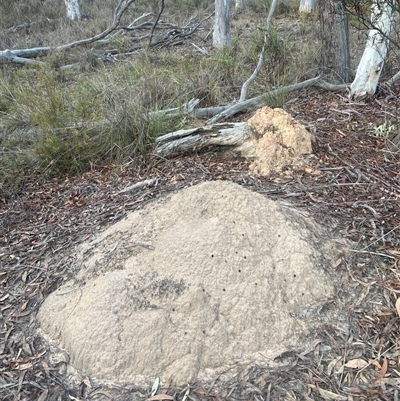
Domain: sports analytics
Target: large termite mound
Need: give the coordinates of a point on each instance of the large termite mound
(209, 277)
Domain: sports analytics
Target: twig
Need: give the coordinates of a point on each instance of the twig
(16, 28)
(392, 80)
(365, 206)
(204, 52)
(269, 392)
(132, 24)
(379, 239)
(187, 108)
(140, 184)
(384, 255)
(156, 22)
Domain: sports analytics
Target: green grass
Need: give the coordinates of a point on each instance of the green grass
(59, 122)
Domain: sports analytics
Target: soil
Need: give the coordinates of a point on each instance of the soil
(351, 186)
(193, 285)
(281, 142)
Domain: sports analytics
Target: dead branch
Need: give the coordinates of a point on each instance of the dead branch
(261, 60)
(331, 87)
(173, 36)
(176, 35)
(145, 183)
(227, 134)
(156, 21)
(14, 56)
(258, 100)
(394, 79)
(122, 6)
(187, 108)
(17, 28)
(239, 107)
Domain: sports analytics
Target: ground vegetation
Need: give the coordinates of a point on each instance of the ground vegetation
(77, 153)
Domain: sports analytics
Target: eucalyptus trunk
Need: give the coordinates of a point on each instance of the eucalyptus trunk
(73, 10)
(335, 51)
(371, 63)
(306, 6)
(222, 24)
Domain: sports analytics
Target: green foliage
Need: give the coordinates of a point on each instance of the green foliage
(276, 100)
(39, 99)
(385, 130)
(278, 51)
(389, 132)
(278, 55)
(78, 121)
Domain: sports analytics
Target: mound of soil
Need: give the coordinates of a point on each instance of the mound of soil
(191, 285)
(279, 141)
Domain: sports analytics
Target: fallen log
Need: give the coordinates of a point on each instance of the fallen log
(225, 134)
(23, 56)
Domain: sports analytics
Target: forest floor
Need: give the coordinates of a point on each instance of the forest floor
(352, 186)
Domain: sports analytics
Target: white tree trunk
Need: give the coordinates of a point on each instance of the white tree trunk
(239, 4)
(222, 24)
(373, 58)
(73, 11)
(306, 6)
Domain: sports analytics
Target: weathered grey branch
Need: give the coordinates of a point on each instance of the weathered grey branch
(208, 112)
(140, 184)
(156, 22)
(17, 28)
(261, 60)
(227, 134)
(394, 79)
(187, 108)
(119, 10)
(331, 87)
(12, 56)
(256, 101)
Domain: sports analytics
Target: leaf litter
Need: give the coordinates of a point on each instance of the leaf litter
(356, 193)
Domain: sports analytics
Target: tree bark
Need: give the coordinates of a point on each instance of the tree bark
(335, 52)
(222, 24)
(373, 58)
(8, 56)
(306, 6)
(228, 134)
(22, 56)
(73, 10)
